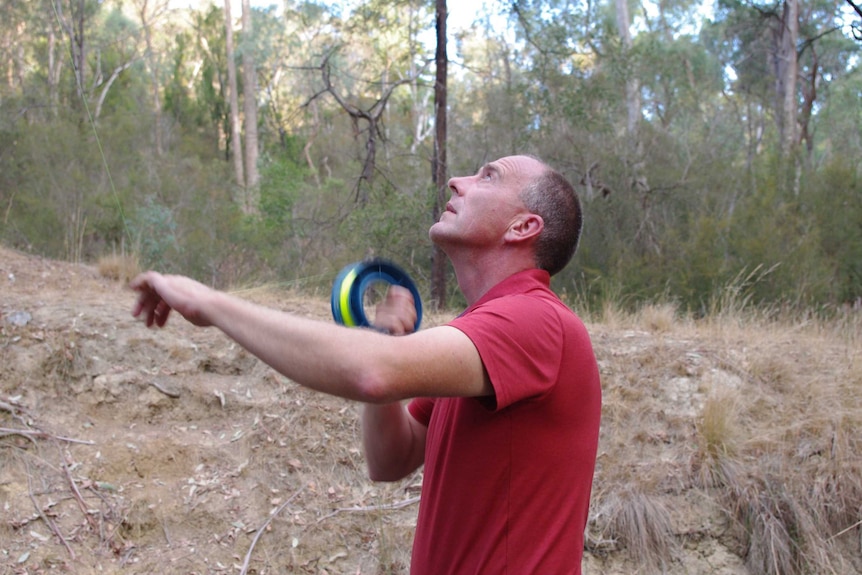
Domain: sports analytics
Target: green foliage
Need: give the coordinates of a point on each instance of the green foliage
(177, 98)
(835, 201)
(392, 225)
(154, 229)
(53, 187)
(675, 74)
(692, 200)
(773, 232)
(283, 182)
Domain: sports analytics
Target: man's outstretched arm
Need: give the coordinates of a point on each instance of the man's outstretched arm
(359, 364)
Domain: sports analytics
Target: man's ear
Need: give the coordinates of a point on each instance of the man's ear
(526, 226)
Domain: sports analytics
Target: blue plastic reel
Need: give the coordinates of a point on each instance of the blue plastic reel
(351, 283)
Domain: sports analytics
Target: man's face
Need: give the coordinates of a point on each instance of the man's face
(483, 206)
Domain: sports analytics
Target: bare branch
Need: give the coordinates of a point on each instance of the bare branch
(107, 86)
(263, 527)
(35, 434)
(370, 117)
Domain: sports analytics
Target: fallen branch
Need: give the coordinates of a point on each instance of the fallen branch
(34, 434)
(76, 493)
(14, 408)
(383, 507)
(48, 522)
(168, 392)
(266, 523)
(7, 407)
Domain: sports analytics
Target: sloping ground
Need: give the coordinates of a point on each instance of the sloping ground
(127, 450)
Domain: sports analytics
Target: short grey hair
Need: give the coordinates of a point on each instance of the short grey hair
(553, 197)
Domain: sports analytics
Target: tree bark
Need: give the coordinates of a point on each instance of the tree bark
(438, 258)
(785, 62)
(633, 106)
(235, 137)
(74, 29)
(147, 21)
(250, 107)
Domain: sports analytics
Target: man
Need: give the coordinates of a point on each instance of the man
(507, 396)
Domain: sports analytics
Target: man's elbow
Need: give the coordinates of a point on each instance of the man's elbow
(388, 473)
(372, 388)
(384, 475)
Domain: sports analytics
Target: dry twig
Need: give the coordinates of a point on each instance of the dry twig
(257, 535)
(384, 507)
(48, 522)
(36, 434)
(163, 389)
(14, 408)
(77, 494)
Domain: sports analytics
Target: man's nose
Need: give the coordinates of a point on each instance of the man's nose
(455, 185)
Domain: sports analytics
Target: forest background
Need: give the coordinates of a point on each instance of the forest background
(712, 150)
(717, 153)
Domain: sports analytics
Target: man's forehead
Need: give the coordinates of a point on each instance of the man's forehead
(520, 165)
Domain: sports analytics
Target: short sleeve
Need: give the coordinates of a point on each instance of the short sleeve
(520, 340)
(421, 409)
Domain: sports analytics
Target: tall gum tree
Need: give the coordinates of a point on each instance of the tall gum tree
(249, 74)
(150, 12)
(235, 141)
(439, 265)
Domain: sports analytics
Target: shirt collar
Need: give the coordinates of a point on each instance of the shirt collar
(517, 283)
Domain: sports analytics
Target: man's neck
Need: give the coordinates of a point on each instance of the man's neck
(477, 275)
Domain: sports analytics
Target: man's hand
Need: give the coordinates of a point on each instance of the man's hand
(396, 314)
(159, 294)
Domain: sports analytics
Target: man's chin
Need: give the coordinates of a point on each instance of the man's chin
(437, 234)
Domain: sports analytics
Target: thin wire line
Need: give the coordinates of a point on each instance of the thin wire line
(108, 170)
(93, 124)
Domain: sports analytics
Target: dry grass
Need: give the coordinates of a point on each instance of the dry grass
(759, 412)
(641, 524)
(120, 267)
(729, 445)
(658, 318)
(719, 436)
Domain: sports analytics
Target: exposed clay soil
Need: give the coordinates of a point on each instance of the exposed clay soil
(172, 451)
(128, 450)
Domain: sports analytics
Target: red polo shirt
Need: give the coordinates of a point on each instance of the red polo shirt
(507, 480)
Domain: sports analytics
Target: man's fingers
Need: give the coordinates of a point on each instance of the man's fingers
(162, 312)
(149, 305)
(400, 292)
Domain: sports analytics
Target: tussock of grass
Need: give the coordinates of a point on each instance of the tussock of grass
(658, 318)
(120, 267)
(639, 523)
(783, 533)
(718, 425)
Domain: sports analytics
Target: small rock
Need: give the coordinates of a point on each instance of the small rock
(19, 318)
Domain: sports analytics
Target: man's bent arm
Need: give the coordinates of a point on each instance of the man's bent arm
(394, 442)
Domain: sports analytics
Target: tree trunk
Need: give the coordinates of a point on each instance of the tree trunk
(250, 107)
(438, 258)
(76, 39)
(235, 138)
(786, 66)
(54, 66)
(147, 22)
(633, 106)
(634, 153)
(74, 28)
